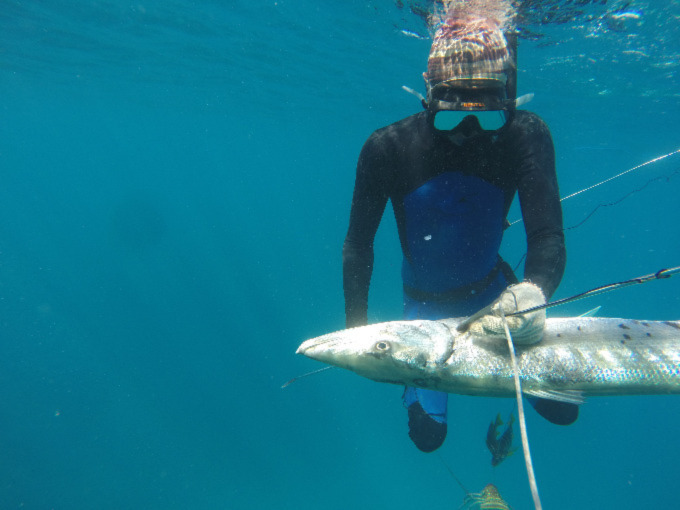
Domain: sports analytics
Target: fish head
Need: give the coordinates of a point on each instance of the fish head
(399, 352)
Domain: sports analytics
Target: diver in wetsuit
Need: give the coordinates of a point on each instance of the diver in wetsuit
(451, 187)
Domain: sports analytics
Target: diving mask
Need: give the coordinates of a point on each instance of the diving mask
(477, 104)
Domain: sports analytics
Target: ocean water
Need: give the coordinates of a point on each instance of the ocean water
(175, 183)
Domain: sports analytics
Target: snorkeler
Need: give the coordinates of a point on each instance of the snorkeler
(451, 173)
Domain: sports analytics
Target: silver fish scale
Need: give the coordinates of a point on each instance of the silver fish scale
(597, 356)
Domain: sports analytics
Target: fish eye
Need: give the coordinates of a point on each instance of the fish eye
(382, 345)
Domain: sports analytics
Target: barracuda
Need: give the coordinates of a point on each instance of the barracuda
(577, 357)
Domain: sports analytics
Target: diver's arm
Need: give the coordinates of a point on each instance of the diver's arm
(368, 204)
(541, 209)
(546, 254)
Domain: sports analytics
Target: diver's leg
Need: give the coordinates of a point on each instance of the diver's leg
(559, 413)
(426, 417)
(426, 408)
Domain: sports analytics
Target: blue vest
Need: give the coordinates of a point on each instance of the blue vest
(454, 228)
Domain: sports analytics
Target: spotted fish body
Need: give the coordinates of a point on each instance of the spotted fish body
(580, 356)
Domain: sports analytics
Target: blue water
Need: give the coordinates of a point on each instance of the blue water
(175, 182)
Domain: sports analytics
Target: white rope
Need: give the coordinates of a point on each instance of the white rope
(620, 175)
(612, 178)
(522, 421)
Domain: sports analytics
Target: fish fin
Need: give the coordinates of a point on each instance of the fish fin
(493, 426)
(591, 313)
(569, 396)
(491, 434)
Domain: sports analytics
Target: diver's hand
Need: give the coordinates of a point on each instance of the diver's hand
(525, 329)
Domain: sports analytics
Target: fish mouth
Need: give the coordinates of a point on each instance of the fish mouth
(319, 348)
(308, 346)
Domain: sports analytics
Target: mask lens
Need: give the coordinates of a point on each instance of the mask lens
(446, 120)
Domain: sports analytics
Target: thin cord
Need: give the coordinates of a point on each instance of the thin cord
(617, 202)
(621, 174)
(460, 484)
(659, 158)
(659, 275)
(305, 375)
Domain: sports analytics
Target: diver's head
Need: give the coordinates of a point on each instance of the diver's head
(470, 74)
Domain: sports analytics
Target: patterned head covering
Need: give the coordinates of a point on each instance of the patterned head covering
(468, 47)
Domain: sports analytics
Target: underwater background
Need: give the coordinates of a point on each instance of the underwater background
(175, 184)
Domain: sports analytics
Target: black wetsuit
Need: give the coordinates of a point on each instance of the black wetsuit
(450, 202)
